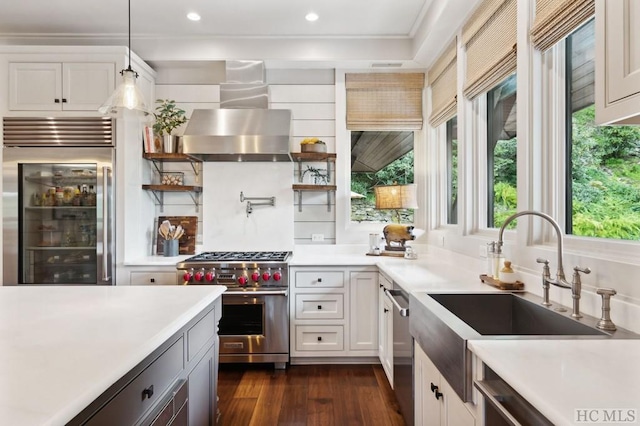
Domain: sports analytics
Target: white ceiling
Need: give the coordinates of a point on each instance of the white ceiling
(348, 32)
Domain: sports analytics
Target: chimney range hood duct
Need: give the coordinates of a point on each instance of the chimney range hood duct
(243, 129)
(238, 135)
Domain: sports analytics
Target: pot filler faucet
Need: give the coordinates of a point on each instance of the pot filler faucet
(560, 281)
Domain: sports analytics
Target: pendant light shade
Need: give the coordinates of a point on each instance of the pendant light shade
(127, 94)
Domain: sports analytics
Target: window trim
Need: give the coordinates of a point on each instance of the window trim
(556, 184)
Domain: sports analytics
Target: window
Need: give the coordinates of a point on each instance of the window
(603, 170)
(501, 153)
(452, 171)
(379, 158)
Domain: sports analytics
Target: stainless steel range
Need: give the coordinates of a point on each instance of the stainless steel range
(255, 309)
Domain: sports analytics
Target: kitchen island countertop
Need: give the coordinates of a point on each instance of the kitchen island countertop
(62, 347)
(559, 377)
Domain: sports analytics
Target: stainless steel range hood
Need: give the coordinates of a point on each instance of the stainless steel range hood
(238, 135)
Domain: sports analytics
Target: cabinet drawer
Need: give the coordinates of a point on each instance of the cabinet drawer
(319, 338)
(316, 306)
(152, 278)
(198, 335)
(131, 403)
(320, 279)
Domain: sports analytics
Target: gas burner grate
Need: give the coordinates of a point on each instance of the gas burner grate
(240, 256)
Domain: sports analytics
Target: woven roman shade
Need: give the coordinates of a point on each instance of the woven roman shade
(489, 38)
(384, 101)
(555, 19)
(443, 81)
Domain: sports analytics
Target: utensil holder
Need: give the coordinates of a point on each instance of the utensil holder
(170, 248)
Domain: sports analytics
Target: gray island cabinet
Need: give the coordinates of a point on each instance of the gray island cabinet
(175, 385)
(109, 355)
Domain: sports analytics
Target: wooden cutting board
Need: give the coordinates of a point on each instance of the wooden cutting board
(187, 243)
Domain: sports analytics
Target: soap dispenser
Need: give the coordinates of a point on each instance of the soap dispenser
(507, 275)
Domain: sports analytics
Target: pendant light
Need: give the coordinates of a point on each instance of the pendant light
(127, 94)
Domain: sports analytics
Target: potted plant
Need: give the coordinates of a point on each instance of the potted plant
(168, 118)
(317, 177)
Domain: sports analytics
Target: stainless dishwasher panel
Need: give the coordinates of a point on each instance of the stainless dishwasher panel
(402, 352)
(503, 406)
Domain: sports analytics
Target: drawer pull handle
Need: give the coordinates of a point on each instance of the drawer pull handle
(386, 310)
(433, 387)
(438, 394)
(319, 280)
(319, 338)
(319, 307)
(152, 280)
(64, 100)
(56, 101)
(148, 392)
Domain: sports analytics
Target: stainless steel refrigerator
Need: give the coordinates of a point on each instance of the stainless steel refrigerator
(58, 201)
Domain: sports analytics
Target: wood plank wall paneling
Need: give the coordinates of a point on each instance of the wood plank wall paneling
(310, 94)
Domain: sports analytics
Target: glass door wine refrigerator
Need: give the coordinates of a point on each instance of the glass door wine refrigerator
(58, 201)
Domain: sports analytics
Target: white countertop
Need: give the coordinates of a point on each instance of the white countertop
(556, 376)
(62, 347)
(559, 376)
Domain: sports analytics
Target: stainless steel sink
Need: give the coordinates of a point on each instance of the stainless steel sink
(506, 314)
(443, 323)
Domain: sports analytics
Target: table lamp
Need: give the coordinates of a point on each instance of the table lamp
(395, 197)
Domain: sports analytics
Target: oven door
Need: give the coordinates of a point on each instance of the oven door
(254, 326)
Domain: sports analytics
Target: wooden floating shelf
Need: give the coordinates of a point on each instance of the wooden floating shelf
(171, 157)
(313, 156)
(173, 188)
(301, 187)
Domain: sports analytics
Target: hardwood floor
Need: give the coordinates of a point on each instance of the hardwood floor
(256, 394)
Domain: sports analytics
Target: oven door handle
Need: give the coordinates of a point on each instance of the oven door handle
(256, 293)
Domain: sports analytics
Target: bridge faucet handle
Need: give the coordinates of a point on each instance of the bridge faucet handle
(605, 322)
(541, 260)
(577, 269)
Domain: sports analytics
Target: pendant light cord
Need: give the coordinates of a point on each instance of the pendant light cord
(129, 67)
(129, 34)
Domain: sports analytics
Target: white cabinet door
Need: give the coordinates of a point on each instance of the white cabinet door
(363, 293)
(387, 361)
(436, 403)
(385, 328)
(455, 412)
(35, 86)
(85, 86)
(427, 407)
(617, 61)
(50, 86)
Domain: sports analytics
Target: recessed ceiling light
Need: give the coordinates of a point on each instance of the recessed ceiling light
(193, 16)
(311, 17)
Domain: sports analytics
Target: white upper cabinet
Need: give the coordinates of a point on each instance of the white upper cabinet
(618, 61)
(50, 86)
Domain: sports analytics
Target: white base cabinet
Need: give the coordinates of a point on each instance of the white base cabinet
(436, 403)
(618, 61)
(160, 275)
(333, 311)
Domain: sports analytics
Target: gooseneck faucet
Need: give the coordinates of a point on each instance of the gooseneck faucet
(560, 279)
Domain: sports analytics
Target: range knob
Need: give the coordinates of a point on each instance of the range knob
(255, 276)
(277, 276)
(266, 276)
(187, 277)
(242, 280)
(209, 276)
(198, 276)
